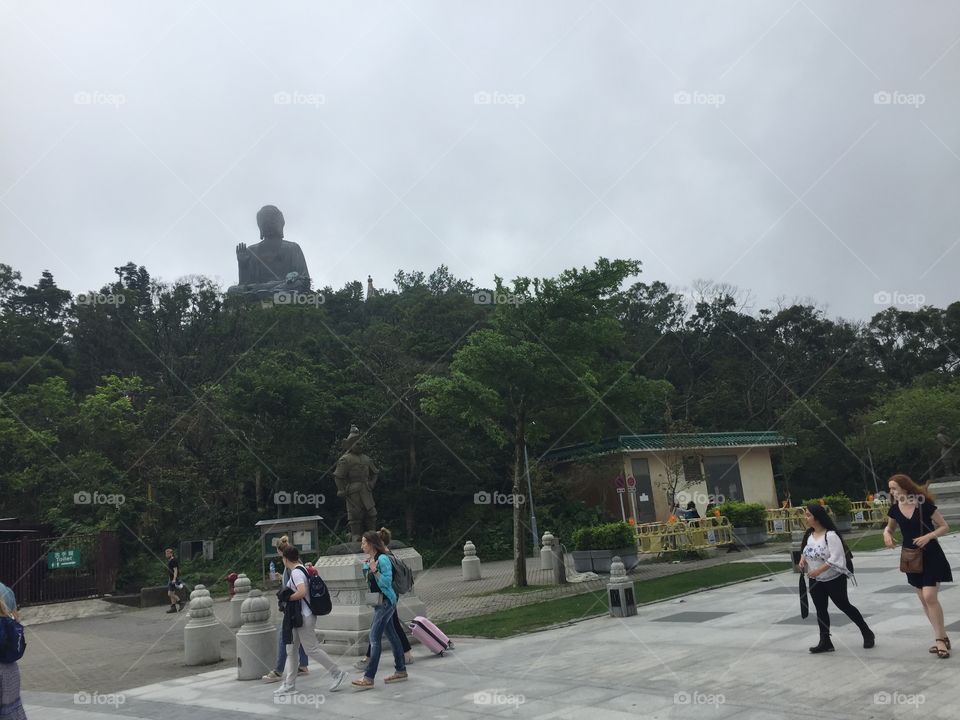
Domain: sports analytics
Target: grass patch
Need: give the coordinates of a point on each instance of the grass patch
(871, 541)
(531, 617)
(513, 590)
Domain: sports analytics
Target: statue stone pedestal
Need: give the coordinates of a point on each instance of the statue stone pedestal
(947, 491)
(346, 630)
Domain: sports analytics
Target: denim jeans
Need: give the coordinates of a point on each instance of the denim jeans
(282, 653)
(383, 623)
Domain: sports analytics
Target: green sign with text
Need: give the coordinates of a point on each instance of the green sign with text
(63, 559)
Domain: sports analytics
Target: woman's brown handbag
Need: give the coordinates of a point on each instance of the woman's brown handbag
(911, 560)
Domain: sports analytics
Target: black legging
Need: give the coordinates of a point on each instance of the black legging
(400, 631)
(835, 590)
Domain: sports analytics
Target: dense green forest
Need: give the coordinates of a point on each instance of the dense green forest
(198, 408)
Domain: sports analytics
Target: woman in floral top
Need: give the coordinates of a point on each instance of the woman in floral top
(824, 558)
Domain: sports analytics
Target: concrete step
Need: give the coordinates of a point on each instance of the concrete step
(941, 485)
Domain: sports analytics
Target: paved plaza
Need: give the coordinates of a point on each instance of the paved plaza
(734, 652)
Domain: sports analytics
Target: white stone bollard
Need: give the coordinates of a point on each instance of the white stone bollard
(547, 557)
(470, 563)
(241, 587)
(257, 638)
(201, 634)
(620, 597)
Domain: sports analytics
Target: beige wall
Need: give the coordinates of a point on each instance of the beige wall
(756, 473)
(592, 482)
(756, 476)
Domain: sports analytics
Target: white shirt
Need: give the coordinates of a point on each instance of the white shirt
(297, 575)
(827, 550)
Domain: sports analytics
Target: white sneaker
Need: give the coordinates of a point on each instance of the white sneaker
(285, 689)
(337, 680)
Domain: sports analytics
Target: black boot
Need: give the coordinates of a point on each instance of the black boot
(173, 609)
(825, 644)
(869, 639)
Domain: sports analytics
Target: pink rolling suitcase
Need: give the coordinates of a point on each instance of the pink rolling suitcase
(430, 635)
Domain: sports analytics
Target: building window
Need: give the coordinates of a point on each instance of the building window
(723, 476)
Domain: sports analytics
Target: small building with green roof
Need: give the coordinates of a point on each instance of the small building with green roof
(707, 468)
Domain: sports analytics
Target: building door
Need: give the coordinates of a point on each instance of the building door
(723, 477)
(646, 510)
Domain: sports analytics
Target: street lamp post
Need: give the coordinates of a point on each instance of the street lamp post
(866, 439)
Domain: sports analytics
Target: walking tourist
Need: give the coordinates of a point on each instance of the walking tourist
(276, 674)
(361, 664)
(11, 707)
(298, 625)
(379, 573)
(823, 556)
(922, 558)
(174, 582)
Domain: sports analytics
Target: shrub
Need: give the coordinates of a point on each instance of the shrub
(742, 514)
(614, 536)
(839, 503)
(583, 538)
(831, 503)
(609, 536)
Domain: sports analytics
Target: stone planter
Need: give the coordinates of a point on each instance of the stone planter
(750, 535)
(581, 561)
(844, 523)
(601, 560)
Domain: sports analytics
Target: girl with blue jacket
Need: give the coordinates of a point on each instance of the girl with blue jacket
(379, 574)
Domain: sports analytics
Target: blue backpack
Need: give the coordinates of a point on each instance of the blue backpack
(12, 642)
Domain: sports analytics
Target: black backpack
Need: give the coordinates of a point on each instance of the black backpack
(318, 596)
(12, 641)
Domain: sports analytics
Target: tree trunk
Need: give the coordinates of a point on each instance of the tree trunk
(519, 549)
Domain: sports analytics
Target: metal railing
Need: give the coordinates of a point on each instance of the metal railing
(684, 535)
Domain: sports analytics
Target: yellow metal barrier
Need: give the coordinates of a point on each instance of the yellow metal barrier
(865, 514)
(684, 535)
(784, 520)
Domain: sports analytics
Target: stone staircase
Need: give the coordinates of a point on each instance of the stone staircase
(947, 493)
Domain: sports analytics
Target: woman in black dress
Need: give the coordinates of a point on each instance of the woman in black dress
(921, 524)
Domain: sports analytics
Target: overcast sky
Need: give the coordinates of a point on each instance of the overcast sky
(739, 141)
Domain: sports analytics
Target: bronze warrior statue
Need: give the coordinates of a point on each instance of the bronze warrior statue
(273, 264)
(948, 452)
(356, 476)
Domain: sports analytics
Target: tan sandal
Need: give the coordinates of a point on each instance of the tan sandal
(396, 677)
(363, 683)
